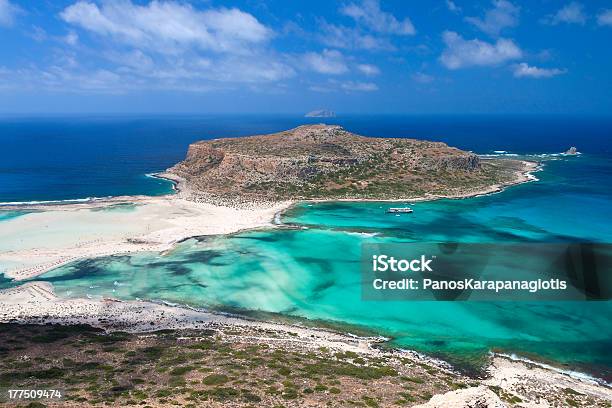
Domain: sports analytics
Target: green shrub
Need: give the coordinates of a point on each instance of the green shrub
(289, 393)
(215, 379)
(284, 371)
(224, 393)
(415, 380)
(181, 370)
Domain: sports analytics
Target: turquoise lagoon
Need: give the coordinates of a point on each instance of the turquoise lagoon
(310, 272)
(7, 215)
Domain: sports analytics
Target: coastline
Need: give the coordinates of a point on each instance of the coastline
(151, 228)
(507, 379)
(523, 176)
(43, 240)
(36, 303)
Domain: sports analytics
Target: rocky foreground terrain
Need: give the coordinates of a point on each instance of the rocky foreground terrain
(231, 366)
(109, 353)
(328, 162)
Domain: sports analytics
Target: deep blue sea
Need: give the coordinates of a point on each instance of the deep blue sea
(313, 273)
(58, 158)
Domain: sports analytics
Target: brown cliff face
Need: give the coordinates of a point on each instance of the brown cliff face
(327, 162)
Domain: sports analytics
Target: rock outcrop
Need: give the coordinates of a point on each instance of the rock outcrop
(473, 397)
(327, 162)
(572, 150)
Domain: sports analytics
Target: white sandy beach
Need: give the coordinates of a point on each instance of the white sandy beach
(57, 234)
(54, 235)
(36, 303)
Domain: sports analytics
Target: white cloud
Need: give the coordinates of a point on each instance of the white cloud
(169, 26)
(333, 85)
(368, 69)
(372, 31)
(226, 70)
(359, 86)
(452, 6)
(422, 78)
(352, 38)
(164, 45)
(328, 62)
(55, 78)
(71, 38)
(136, 71)
(503, 15)
(461, 53)
(320, 88)
(37, 34)
(369, 14)
(605, 18)
(523, 70)
(157, 45)
(8, 11)
(571, 13)
(237, 69)
(133, 59)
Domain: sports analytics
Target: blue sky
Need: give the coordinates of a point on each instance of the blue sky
(421, 57)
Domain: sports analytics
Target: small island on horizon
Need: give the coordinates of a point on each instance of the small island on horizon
(320, 113)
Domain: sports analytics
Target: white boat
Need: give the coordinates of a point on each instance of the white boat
(403, 210)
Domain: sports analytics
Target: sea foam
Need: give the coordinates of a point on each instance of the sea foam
(578, 375)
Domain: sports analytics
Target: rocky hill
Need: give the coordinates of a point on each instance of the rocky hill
(328, 162)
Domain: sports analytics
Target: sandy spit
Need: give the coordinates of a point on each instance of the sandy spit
(54, 235)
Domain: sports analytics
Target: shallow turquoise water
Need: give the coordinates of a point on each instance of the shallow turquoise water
(7, 215)
(314, 273)
(570, 203)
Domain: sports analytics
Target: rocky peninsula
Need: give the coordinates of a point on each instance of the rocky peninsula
(233, 184)
(324, 162)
